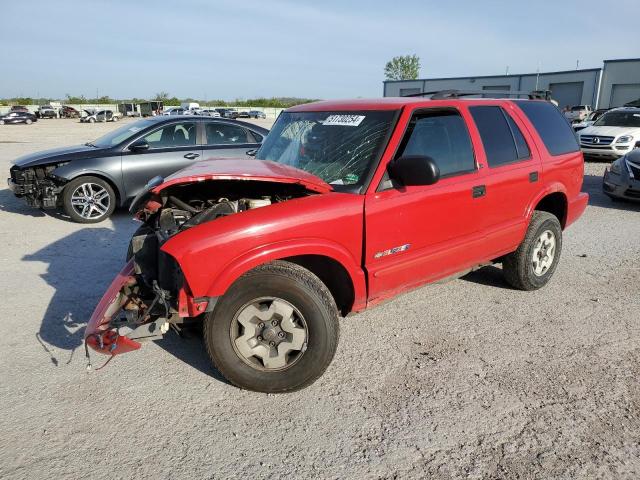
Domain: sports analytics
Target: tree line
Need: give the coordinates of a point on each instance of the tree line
(166, 98)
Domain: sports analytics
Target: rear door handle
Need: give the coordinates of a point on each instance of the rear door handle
(479, 191)
(191, 156)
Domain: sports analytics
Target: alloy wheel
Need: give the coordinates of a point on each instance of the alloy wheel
(544, 251)
(90, 201)
(269, 334)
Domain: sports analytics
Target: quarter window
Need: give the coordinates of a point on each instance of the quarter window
(502, 140)
(443, 136)
(552, 126)
(174, 135)
(226, 134)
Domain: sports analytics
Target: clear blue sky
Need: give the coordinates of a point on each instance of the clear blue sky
(322, 49)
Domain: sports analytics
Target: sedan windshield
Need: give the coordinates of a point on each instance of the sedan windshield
(119, 135)
(339, 147)
(619, 119)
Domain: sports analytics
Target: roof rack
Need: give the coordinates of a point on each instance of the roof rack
(442, 94)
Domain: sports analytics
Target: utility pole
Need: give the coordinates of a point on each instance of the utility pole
(577, 64)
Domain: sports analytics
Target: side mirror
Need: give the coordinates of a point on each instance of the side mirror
(252, 152)
(139, 146)
(414, 170)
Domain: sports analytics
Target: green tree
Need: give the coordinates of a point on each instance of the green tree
(162, 96)
(404, 67)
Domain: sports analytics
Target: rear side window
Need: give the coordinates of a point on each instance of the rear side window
(556, 133)
(443, 136)
(226, 134)
(502, 139)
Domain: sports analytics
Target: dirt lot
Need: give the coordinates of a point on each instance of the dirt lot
(467, 379)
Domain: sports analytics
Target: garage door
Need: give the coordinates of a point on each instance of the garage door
(409, 91)
(569, 93)
(622, 93)
(496, 87)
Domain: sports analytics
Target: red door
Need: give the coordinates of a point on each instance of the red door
(417, 234)
(513, 175)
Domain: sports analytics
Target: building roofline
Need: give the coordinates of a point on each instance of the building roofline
(583, 70)
(613, 60)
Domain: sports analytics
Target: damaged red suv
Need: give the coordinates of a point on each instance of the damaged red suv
(346, 204)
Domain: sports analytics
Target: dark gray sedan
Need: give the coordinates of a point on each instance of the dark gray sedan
(621, 181)
(89, 181)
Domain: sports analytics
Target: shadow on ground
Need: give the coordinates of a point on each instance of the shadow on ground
(80, 267)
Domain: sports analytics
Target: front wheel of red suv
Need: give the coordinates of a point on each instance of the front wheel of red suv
(531, 266)
(275, 330)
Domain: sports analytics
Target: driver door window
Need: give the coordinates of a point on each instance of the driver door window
(443, 136)
(174, 135)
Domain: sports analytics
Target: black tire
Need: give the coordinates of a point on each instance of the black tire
(306, 293)
(73, 185)
(518, 266)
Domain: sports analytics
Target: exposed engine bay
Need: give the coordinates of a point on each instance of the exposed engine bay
(153, 296)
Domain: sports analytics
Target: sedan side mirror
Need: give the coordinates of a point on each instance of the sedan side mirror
(139, 146)
(414, 170)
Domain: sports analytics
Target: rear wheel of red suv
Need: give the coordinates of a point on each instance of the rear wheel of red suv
(275, 330)
(531, 266)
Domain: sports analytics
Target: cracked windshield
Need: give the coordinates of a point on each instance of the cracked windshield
(339, 147)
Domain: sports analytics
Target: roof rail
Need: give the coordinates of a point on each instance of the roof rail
(441, 94)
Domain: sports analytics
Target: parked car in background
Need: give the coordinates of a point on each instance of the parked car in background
(578, 113)
(621, 181)
(209, 112)
(243, 114)
(18, 117)
(90, 180)
(257, 114)
(187, 106)
(174, 111)
(613, 135)
(93, 116)
(46, 111)
(18, 108)
(227, 112)
(69, 112)
(593, 116)
(347, 204)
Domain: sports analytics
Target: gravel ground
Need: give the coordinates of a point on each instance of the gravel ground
(466, 379)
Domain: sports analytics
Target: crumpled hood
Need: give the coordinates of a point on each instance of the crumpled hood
(55, 155)
(242, 169)
(610, 131)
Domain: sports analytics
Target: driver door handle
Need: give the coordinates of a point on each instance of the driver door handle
(191, 156)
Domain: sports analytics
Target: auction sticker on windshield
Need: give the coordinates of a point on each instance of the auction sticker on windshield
(344, 120)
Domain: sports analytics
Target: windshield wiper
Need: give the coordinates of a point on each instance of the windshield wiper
(89, 144)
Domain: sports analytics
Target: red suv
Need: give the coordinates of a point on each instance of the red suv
(346, 204)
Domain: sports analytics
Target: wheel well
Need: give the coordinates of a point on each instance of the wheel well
(333, 275)
(555, 204)
(106, 179)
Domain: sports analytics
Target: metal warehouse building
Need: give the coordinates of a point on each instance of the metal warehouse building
(613, 85)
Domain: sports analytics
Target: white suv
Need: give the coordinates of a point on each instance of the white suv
(613, 135)
(578, 113)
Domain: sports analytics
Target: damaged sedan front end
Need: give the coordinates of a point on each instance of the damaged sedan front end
(38, 185)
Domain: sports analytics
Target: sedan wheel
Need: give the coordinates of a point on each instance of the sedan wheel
(89, 200)
(28, 121)
(1, 122)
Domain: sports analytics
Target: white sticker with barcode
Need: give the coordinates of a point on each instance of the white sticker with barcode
(344, 120)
